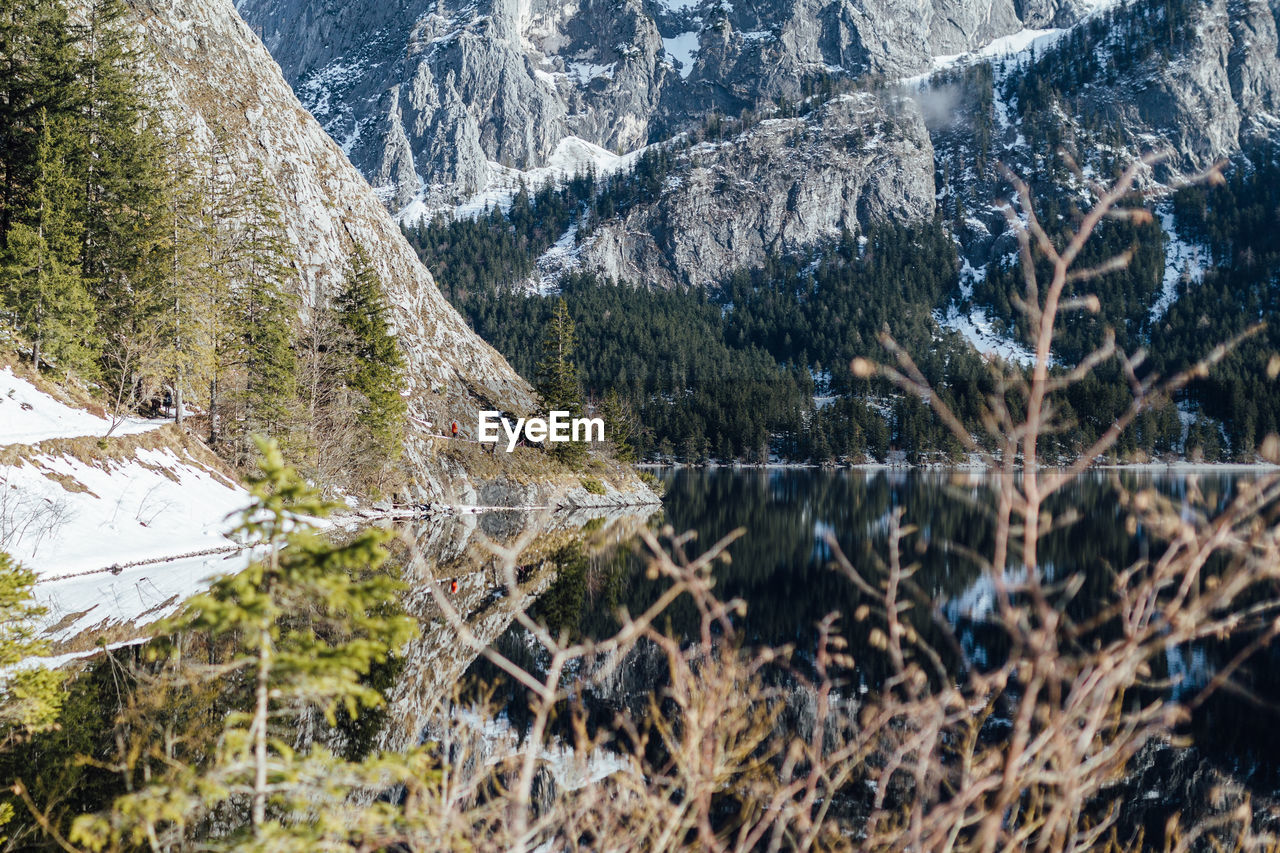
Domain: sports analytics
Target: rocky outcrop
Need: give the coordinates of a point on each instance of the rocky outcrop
(228, 91)
(1213, 97)
(424, 95)
(779, 187)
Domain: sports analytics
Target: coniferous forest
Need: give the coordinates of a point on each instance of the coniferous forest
(759, 364)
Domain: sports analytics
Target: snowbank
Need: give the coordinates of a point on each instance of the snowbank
(979, 331)
(571, 156)
(118, 529)
(28, 415)
(682, 49)
(61, 515)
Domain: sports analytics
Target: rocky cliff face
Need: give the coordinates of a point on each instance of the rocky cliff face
(438, 101)
(425, 95)
(778, 187)
(1193, 90)
(1199, 97)
(225, 86)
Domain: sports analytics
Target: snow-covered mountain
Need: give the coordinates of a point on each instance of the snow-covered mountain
(443, 104)
(432, 99)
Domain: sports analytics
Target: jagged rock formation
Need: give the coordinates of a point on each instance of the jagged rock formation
(778, 187)
(1194, 93)
(230, 93)
(426, 94)
(1197, 100)
(1221, 92)
(437, 101)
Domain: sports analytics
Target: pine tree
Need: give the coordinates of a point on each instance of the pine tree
(374, 366)
(305, 624)
(29, 697)
(559, 382)
(258, 355)
(620, 426)
(193, 285)
(41, 265)
(122, 153)
(38, 83)
(265, 339)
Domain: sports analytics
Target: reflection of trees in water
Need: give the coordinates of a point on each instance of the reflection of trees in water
(781, 569)
(458, 551)
(781, 566)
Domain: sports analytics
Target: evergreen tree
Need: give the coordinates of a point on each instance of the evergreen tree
(38, 83)
(122, 154)
(192, 284)
(620, 426)
(41, 265)
(559, 382)
(305, 626)
(374, 366)
(257, 354)
(29, 697)
(265, 341)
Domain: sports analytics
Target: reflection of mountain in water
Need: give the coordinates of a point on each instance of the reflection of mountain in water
(456, 550)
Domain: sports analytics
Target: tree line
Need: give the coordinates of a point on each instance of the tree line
(732, 372)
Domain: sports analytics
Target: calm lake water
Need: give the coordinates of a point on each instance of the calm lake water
(781, 567)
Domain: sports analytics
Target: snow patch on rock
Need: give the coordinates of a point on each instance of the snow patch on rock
(571, 156)
(559, 259)
(979, 331)
(682, 48)
(1183, 261)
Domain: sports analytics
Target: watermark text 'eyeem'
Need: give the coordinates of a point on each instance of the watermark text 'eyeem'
(558, 427)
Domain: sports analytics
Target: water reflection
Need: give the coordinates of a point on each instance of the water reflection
(782, 569)
(458, 557)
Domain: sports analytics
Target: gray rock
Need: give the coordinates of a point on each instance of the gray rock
(504, 81)
(782, 186)
(428, 95)
(1207, 101)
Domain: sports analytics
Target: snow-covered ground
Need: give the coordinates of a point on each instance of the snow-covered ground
(561, 257)
(571, 156)
(1017, 47)
(977, 328)
(135, 597)
(123, 508)
(1021, 43)
(981, 332)
(490, 740)
(60, 515)
(28, 415)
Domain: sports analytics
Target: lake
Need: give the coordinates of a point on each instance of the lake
(781, 568)
(576, 571)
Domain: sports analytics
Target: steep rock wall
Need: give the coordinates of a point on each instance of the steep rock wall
(225, 84)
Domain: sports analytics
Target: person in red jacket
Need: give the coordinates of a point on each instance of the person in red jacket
(455, 429)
